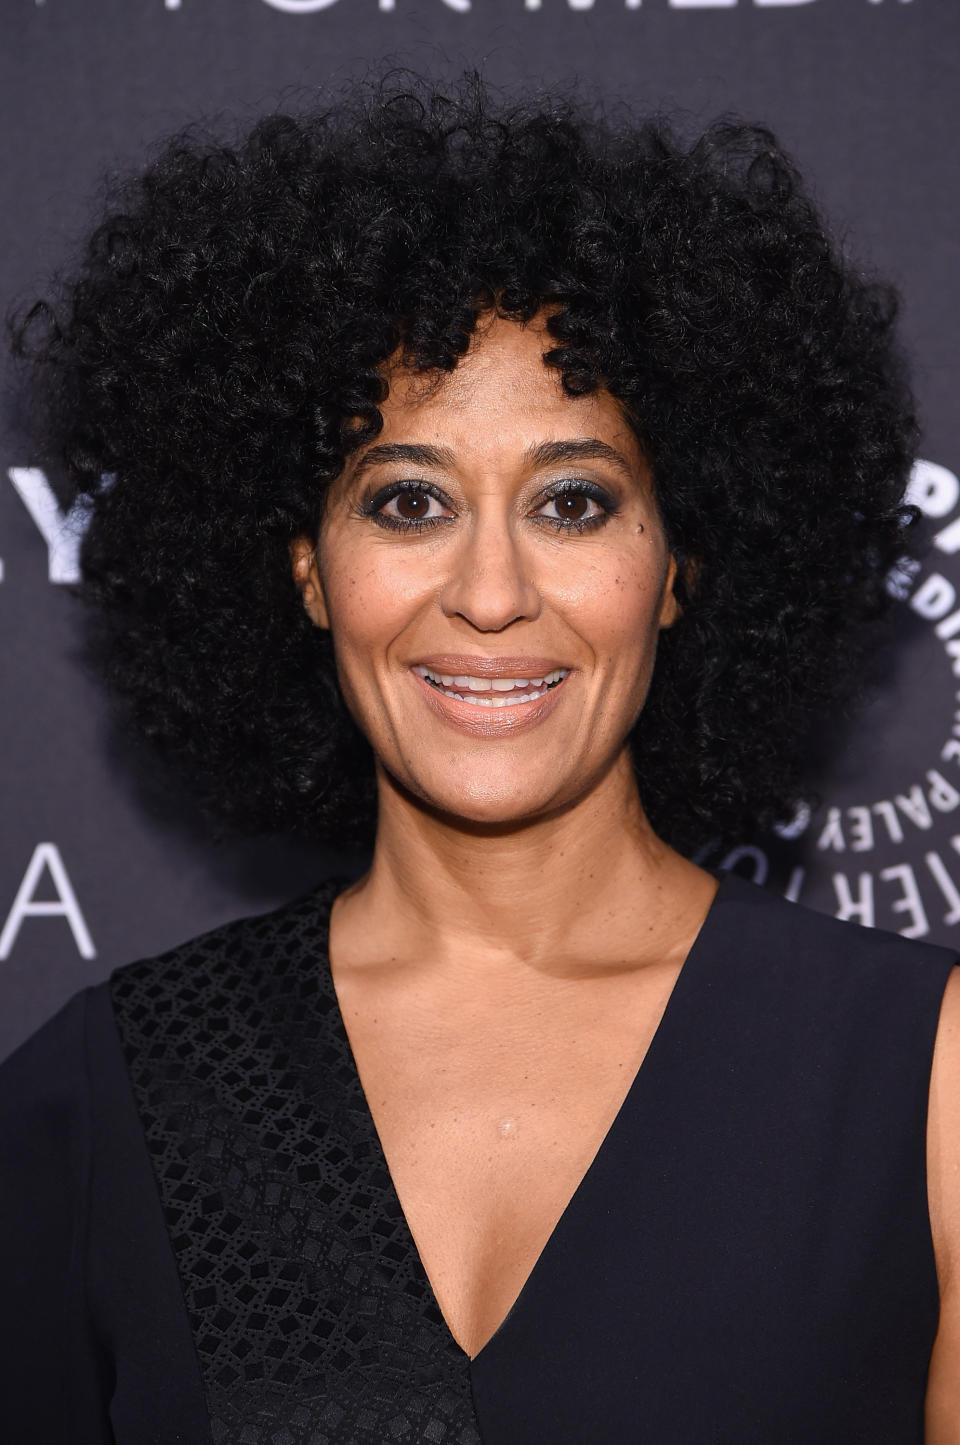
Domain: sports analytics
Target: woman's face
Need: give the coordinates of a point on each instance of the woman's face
(495, 575)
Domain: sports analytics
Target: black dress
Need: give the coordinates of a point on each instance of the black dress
(200, 1242)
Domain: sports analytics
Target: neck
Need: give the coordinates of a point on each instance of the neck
(573, 884)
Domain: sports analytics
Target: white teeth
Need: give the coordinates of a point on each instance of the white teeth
(495, 684)
(502, 701)
(493, 691)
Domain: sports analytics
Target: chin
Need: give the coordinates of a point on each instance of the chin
(486, 809)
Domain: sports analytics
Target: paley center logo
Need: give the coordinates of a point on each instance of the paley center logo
(882, 844)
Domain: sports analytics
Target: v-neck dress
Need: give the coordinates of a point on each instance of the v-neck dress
(200, 1242)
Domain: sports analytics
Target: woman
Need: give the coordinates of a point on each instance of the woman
(501, 485)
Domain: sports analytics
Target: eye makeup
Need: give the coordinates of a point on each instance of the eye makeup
(416, 491)
(420, 492)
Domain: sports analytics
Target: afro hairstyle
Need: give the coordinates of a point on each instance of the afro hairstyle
(219, 348)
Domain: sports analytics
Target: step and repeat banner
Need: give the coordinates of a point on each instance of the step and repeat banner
(99, 864)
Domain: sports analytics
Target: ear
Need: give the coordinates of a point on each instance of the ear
(306, 575)
(669, 606)
(686, 575)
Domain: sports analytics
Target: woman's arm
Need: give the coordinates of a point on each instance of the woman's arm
(943, 1185)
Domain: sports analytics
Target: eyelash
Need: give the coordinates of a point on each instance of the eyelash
(371, 507)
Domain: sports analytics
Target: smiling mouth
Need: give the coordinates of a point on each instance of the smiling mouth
(493, 691)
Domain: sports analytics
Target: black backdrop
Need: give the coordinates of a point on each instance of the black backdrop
(97, 868)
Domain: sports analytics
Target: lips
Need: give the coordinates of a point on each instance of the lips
(459, 664)
(489, 696)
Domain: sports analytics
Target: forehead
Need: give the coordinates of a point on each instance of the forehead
(500, 393)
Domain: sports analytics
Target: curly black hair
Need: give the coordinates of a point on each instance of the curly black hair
(219, 349)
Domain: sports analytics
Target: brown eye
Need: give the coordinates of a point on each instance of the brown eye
(577, 508)
(572, 507)
(406, 507)
(412, 506)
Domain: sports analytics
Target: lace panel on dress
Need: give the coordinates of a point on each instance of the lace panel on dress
(314, 1321)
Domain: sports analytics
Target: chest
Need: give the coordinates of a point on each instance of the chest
(748, 1259)
(489, 1121)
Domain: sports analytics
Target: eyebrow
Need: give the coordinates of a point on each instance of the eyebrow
(543, 454)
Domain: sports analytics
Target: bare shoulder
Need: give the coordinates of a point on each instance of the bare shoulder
(943, 1185)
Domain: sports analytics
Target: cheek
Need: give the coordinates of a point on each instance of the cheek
(615, 600)
(370, 599)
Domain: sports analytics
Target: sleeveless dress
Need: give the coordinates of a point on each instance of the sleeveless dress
(200, 1242)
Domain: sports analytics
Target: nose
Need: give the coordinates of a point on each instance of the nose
(489, 583)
